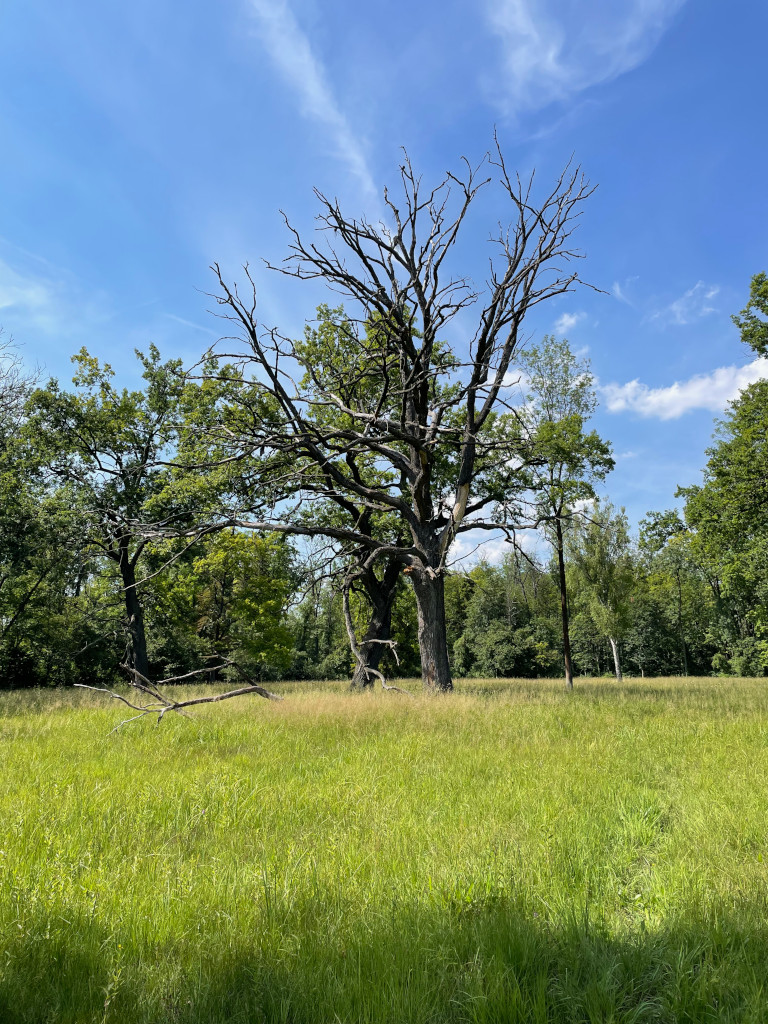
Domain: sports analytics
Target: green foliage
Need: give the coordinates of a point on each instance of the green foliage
(48, 630)
(603, 567)
(226, 599)
(674, 608)
(321, 647)
(752, 321)
(83, 472)
(565, 461)
(501, 621)
(728, 517)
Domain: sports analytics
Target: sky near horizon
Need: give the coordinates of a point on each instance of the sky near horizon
(141, 142)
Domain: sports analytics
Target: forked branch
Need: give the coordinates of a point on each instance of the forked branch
(160, 704)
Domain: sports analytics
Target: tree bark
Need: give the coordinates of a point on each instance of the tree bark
(134, 613)
(429, 588)
(564, 606)
(381, 594)
(616, 662)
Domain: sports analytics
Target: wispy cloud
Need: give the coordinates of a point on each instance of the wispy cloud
(25, 295)
(620, 289)
(710, 391)
(554, 49)
(693, 305)
(568, 321)
(190, 324)
(50, 313)
(35, 302)
(291, 51)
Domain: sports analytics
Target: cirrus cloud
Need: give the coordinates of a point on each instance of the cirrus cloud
(291, 51)
(554, 49)
(692, 305)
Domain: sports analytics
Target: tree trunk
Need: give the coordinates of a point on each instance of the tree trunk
(371, 651)
(616, 662)
(564, 606)
(381, 594)
(135, 613)
(680, 625)
(429, 589)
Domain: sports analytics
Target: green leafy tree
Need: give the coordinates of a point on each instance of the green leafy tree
(227, 602)
(107, 445)
(664, 537)
(728, 517)
(728, 513)
(604, 569)
(565, 461)
(48, 620)
(505, 626)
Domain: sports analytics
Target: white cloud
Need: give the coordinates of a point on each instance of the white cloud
(482, 545)
(583, 506)
(710, 391)
(568, 321)
(291, 51)
(619, 289)
(693, 305)
(554, 49)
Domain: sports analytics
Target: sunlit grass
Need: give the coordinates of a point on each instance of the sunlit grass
(505, 853)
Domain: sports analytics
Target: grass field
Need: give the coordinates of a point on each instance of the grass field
(506, 853)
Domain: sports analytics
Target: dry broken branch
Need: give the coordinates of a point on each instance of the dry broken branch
(161, 704)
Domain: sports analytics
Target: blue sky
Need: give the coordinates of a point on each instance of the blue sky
(140, 142)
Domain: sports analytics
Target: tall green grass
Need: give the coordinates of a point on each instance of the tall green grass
(505, 853)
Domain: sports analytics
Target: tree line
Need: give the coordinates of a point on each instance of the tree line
(288, 506)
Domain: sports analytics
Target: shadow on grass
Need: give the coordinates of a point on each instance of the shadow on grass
(475, 963)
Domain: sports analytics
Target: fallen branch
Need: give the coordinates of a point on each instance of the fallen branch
(161, 704)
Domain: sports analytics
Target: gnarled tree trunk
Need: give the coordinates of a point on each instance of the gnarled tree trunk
(429, 588)
(381, 594)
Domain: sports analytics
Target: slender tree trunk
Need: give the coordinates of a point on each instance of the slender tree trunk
(429, 589)
(381, 594)
(680, 623)
(564, 606)
(134, 612)
(616, 662)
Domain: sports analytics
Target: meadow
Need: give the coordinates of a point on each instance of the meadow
(505, 853)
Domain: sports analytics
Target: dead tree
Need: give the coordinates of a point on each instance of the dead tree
(404, 426)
